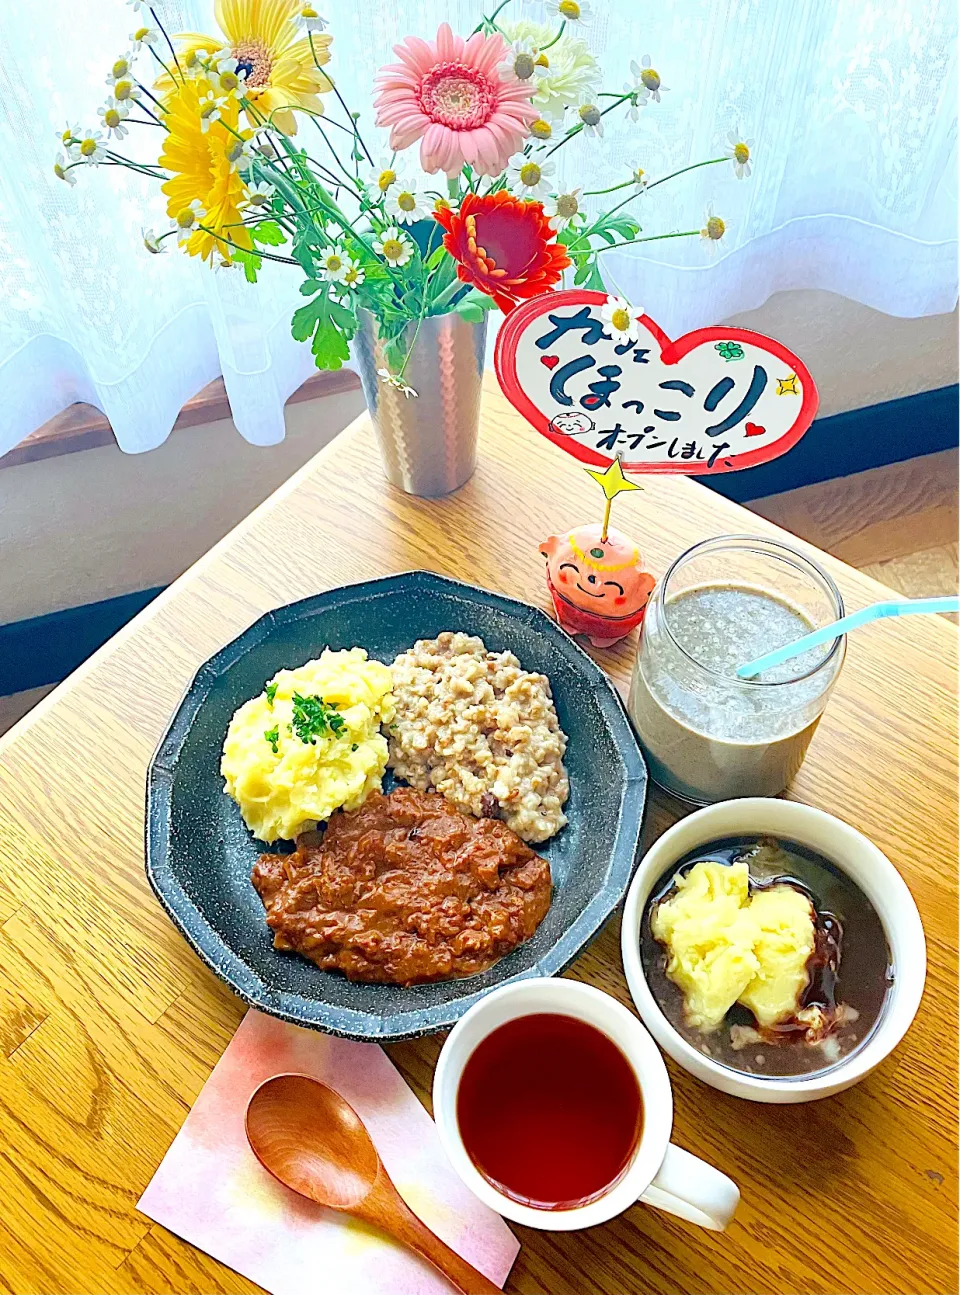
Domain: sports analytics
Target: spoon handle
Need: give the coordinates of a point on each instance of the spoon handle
(398, 1219)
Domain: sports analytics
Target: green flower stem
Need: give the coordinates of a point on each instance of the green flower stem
(596, 193)
(153, 15)
(149, 111)
(448, 294)
(144, 168)
(151, 96)
(630, 198)
(577, 129)
(712, 161)
(161, 62)
(550, 44)
(649, 238)
(267, 256)
(350, 178)
(492, 19)
(355, 130)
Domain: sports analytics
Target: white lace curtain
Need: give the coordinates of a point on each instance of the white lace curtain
(851, 106)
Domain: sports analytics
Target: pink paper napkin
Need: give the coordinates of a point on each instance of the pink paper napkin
(211, 1190)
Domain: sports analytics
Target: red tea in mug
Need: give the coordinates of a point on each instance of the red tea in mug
(549, 1111)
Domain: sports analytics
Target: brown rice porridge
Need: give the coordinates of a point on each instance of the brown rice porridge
(478, 728)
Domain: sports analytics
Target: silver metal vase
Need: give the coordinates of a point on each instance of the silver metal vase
(428, 442)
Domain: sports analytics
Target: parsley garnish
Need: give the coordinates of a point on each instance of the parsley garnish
(271, 691)
(313, 718)
(273, 737)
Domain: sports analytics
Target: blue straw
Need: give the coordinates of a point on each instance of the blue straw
(908, 607)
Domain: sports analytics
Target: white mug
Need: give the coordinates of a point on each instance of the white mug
(660, 1173)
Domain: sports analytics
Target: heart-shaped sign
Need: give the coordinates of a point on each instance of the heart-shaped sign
(714, 400)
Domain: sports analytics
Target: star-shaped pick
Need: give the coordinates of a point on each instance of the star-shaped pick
(613, 479)
(788, 386)
(614, 483)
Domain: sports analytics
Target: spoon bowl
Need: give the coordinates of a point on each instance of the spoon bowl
(313, 1141)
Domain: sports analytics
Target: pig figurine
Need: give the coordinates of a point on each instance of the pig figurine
(597, 583)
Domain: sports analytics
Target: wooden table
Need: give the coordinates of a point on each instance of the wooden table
(109, 1025)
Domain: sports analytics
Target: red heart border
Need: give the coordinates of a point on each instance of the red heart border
(504, 363)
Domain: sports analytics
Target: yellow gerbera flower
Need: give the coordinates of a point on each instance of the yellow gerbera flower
(266, 39)
(201, 172)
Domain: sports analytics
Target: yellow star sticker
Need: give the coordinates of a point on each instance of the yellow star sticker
(614, 483)
(788, 386)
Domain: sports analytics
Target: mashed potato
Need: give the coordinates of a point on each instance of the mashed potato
(310, 743)
(725, 947)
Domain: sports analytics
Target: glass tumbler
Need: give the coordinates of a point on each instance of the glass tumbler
(708, 735)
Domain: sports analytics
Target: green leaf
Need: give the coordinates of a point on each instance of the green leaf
(595, 281)
(269, 233)
(474, 305)
(250, 261)
(330, 325)
(436, 256)
(310, 286)
(583, 270)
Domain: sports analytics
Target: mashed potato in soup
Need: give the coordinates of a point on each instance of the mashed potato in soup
(309, 744)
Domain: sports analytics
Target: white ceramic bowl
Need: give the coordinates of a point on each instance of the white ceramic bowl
(854, 855)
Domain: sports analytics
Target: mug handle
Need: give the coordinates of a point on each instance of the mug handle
(693, 1190)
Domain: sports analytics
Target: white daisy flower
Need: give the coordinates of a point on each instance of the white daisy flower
(713, 230)
(260, 194)
(394, 380)
(224, 60)
(125, 90)
(571, 11)
(231, 73)
(190, 62)
(591, 117)
(187, 219)
(139, 6)
(529, 178)
(120, 70)
(638, 92)
(647, 81)
(567, 73)
(208, 110)
(640, 179)
(152, 243)
(403, 203)
(740, 152)
(563, 208)
(143, 36)
(541, 129)
(310, 20)
(63, 170)
(622, 319)
(353, 276)
(88, 148)
(68, 134)
(334, 264)
(238, 153)
(520, 62)
(394, 246)
(383, 176)
(112, 116)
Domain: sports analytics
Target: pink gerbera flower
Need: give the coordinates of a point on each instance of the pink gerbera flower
(449, 95)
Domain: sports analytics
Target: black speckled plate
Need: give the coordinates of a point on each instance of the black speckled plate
(199, 853)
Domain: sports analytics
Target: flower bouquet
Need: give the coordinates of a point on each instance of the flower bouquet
(403, 245)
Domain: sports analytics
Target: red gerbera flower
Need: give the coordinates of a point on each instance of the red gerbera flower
(505, 247)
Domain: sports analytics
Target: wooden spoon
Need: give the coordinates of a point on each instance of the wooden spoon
(315, 1143)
